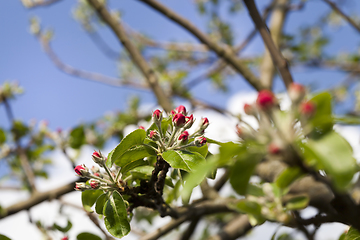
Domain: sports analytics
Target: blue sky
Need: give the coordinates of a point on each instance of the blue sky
(65, 100)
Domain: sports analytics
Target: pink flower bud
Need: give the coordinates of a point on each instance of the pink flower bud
(157, 116)
(81, 170)
(274, 149)
(244, 132)
(307, 108)
(97, 174)
(204, 123)
(172, 112)
(80, 186)
(65, 238)
(98, 158)
(180, 109)
(249, 109)
(184, 136)
(94, 184)
(189, 121)
(265, 99)
(179, 120)
(154, 135)
(296, 92)
(141, 127)
(200, 141)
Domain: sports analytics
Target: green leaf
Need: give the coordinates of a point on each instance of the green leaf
(87, 236)
(184, 160)
(63, 229)
(254, 190)
(19, 129)
(197, 176)
(352, 234)
(3, 237)
(322, 120)
(228, 151)
(88, 198)
(202, 150)
(2, 136)
(132, 139)
(250, 207)
(133, 164)
(77, 137)
(242, 170)
(115, 213)
(133, 154)
(288, 176)
(100, 203)
(297, 203)
(109, 160)
(333, 154)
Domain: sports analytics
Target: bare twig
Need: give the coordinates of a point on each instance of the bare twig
(134, 53)
(237, 227)
(38, 3)
(343, 15)
(276, 55)
(80, 73)
(190, 230)
(224, 52)
(267, 68)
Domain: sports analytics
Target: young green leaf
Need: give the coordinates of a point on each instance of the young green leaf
(87, 236)
(3, 237)
(132, 139)
(100, 203)
(77, 137)
(115, 213)
(63, 229)
(297, 203)
(88, 198)
(288, 176)
(133, 154)
(184, 160)
(322, 120)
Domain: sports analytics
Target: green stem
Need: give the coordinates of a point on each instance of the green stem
(109, 173)
(147, 145)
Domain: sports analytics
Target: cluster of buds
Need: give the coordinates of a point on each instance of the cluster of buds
(97, 180)
(276, 129)
(178, 137)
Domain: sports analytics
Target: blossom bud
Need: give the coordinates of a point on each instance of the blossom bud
(141, 127)
(265, 100)
(172, 112)
(274, 149)
(179, 120)
(157, 116)
(200, 141)
(154, 135)
(307, 108)
(184, 137)
(296, 92)
(244, 132)
(94, 183)
(98, 158)
(65, 238)
(180, 109)
(204, 123)
(249, 109)
(189, 121)
(82, 170)
(81, 186)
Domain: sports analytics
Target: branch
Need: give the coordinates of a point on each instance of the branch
(236, 228)
(134, 53)
(276, 55)
(38, 198)
(38, 3)
(80, 73)
(224, 52)
(343, 15)
(267, 68)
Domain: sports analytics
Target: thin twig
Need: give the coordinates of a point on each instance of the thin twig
(134, 53)
(224, 52)
(343, 15)
(276, 55)
(38, 3)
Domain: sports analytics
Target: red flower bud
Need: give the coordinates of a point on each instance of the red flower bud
(141, 127)
(157, 115)
(154, 135)
(173, 112)
(96, 154)
(274, 149)
(94, 184)
(204, 123)
(189, 121)
(179, 120)
(180, 109)
(80, 186)
(307, 108)
(200, 141)
(97, 174)
(80, 170)
(296, 92)
(184, 136)
(98, 158)
(244, 132)
(65, 238)
(265, 99)
(249, 109)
